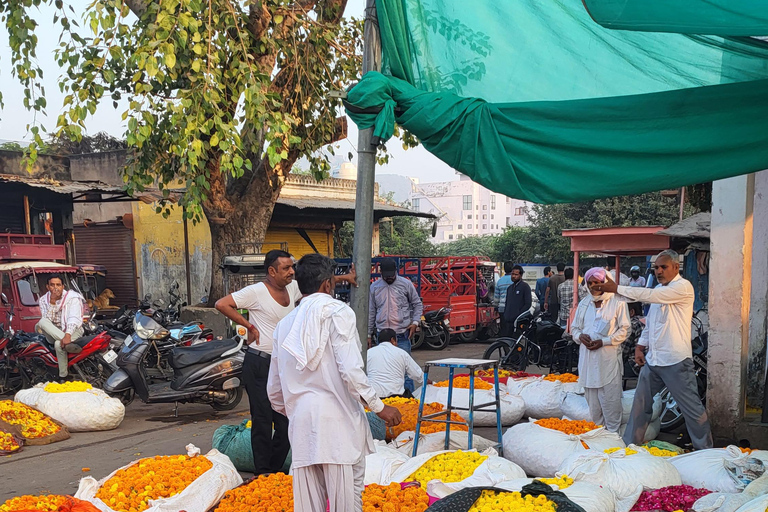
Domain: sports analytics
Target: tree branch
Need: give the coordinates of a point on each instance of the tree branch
(138, 7)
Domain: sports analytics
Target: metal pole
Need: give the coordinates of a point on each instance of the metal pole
(366, 180)
(186, 258)
(682, 202)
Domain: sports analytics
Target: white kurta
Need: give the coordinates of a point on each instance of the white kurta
(327, 422)
(599, 367)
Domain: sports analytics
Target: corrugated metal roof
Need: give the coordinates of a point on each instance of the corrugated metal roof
(346, 204)
(695, 226)
(80, 187)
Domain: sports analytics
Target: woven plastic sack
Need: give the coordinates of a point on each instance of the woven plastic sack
(512, 406)
(719, 469)
(574, 407)
(628, 398)
(543, 398)
(234, 441)
(759, 504)
(624, 475)
(380, 465)
(515, 386)
(199, 496)
(651, 433)
(590, 497)
(540, 451)
(82, 411)
(435, 442)
(721, 502)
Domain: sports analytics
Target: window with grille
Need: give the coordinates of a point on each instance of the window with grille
(467, 202)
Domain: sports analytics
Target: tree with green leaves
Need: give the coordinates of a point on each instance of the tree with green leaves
(407, 236)
(223, 96)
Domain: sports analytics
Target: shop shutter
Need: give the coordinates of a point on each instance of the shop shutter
(110, 245)
(297, 246)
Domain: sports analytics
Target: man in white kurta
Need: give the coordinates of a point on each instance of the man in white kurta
(600, 326)
(317, 380)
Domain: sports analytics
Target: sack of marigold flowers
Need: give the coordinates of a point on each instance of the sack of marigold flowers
(512, 406)
(191, 482)
(544, 397)
(78, 405)
(591, 497)
(456, 470)
(46, 503)
(541, 446)
(435, 442)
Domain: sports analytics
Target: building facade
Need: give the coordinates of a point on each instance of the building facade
(465, 208)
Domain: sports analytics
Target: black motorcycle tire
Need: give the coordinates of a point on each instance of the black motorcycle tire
(126, 397)
(442, 339)
(233, 400)
(674, 417)
(492, 331)
(499, 350)
(468, 336)
(418, 339)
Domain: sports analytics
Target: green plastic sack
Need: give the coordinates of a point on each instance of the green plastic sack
(663, 445)
(234, 441)
(462, 501)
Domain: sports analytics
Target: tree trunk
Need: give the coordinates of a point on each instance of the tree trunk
(246, 221)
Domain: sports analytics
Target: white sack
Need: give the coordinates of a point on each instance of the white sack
(721, 502)
(541, 451)
(512, 406)
(718, 469)
(435, 442)
(590, 497)
(574, 407)
(651, 433)
(515, 386)
(624, 475)
(81, 411)
(381, 464)
(756, 505)
(628, 397)
(199, 496)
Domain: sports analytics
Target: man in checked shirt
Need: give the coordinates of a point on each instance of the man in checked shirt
(61, 320)
(394, 304)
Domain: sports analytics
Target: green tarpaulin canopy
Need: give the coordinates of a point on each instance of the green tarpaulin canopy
(535, 100)
(721, 17)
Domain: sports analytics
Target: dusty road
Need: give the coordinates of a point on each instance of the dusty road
(146, 431)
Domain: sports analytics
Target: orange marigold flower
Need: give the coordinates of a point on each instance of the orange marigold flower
(42, 503)
(8, 442)
(462, 381)
(268, 493)
(33, 423)
(562, 377)
(393, 498)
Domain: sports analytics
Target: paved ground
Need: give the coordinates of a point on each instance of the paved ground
(146, 431)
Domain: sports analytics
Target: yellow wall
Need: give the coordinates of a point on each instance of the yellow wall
(159, 246)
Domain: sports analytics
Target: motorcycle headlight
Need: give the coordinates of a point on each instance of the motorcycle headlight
(160, 334)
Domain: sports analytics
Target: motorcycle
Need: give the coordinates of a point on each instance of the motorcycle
(537, 341)
(11, 378)
(671, 415)
(206, 373)
(433, 330)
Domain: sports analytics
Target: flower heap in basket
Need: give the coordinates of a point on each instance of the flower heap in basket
(33, 424)
(131, 489)
(462, 381)
(492, 501)
(8, 442)
(562, 377)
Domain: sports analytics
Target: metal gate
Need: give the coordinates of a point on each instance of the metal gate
(110, 245)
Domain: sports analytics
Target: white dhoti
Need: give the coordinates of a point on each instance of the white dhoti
(605, 404)
(341, 485)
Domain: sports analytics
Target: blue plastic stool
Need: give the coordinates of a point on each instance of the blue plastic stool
(452, 364)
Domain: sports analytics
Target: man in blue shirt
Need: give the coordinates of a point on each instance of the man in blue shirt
(542, 283)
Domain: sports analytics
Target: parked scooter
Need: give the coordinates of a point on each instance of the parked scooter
(205, 373)
(433, 330)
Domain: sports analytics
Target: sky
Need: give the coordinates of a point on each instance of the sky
(417, 163)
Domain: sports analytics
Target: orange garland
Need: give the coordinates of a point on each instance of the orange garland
(273, 493)
(574, 427)
(149, 479)
(393, 498)
(462, 381)
(562, 377)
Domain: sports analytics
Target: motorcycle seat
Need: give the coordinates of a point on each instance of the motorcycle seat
(181, 357)
(82, 342)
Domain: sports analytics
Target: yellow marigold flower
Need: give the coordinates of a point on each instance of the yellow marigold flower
(43, 503)
(448, 467)
(33, 423)
(491, 501)
(67, 387)
(562, 482)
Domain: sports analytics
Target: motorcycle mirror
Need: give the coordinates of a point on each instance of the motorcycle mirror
(148, 297)
(158, 303)
(5, 300)
(34, 285)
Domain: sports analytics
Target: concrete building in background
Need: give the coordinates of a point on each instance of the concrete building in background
(465, 209)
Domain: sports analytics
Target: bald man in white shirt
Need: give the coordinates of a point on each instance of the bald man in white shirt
(667, 336)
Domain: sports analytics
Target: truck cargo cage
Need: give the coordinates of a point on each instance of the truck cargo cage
(17, 247)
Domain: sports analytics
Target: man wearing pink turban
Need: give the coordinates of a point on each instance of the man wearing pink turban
(600, 326)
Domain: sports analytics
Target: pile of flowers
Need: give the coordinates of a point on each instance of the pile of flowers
(42, 503)
(149, 479)
(409, 410)
(394, 498)
(273, 493)
(491, 501)
(67, 387)
(562, 377)
(489, 373)
(745, 450)
(462, 381)
(575, 427)
(669, 499)
(448, 467)
(33, 423)
(656, 452)
(8, 442)
(561, 482)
